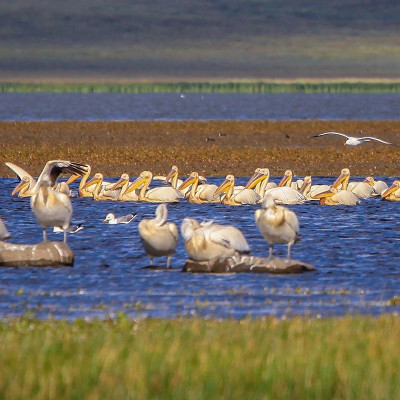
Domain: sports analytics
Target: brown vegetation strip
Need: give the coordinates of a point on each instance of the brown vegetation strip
(213, 148)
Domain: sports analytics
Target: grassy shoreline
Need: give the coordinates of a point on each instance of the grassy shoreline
(335, 358)
(306, 86)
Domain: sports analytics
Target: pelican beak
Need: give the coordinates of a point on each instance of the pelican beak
(323, 195)
(135, 184)
(187, 182)
(283, 181)
(121, 182)
(257, 177)
(303, 187)
(92, 182)
(386, 193)
(19, 187)
(339, 180)
(371, 181)
(170, 174)
(223, 187)
(73, 178)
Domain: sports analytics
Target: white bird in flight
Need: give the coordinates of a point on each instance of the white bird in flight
(355, 141)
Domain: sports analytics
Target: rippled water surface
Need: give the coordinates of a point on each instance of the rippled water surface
(355, 249)
(197, 106)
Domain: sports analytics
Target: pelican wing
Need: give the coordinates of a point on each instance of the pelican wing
(331, 133)
(164, 193)
(174, 230)
(54, 168)
(247, 196)
(19, 171)
(228, 236)
(292, 220)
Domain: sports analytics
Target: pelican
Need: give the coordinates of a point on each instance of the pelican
(206, 194)
(245, 196)
(355, 141)
(309, 190)
(87, 190)
(206, 189)
(334, 196)
(123, 183)
(277, 224)
(51, 170)
(125, 219)
(364, 189)
(51, 208)
(159, 237)
(379, 187)
(260, 181)
(98, 193)
(210, 241)
(156, 195)
(392, 193)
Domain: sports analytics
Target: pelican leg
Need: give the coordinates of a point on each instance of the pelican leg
(271, 250)
(44, 235)
(169, 261)
(289, 246)
(65, 236)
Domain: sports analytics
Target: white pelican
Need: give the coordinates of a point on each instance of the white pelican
(277, 224)
(309, 190)
(244, 196)
(355, 141)
(125, 219)
(123, 183)
(210, 241)
(379, 187)
(202, 187)
(199, 194)
(51, 170)
(164, 194)
(51, 208)
(98, 192)
(260, 181)
(364, 189)
(159, 237)
(392, 193)
(334, 196)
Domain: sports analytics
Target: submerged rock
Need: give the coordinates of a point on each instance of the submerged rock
(38, 255)
(248, 264)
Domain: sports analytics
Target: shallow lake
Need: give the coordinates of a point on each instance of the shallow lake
(355, 249)
(197, 106)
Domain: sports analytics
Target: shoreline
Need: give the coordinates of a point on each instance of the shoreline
(212, 148)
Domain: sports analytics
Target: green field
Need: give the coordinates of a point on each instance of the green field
(300, 358)
(201, 41)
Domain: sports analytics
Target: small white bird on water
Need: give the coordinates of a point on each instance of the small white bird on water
(125, 219)
(355, 141)
(277, 224)
(51, 208)
(159, 237)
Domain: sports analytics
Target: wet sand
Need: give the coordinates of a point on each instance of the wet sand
(213, 148)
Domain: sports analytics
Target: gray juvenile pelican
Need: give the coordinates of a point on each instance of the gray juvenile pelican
(244, 196)
(277, 224)
(355, 141)
(334, 196)
(51, 208)
(164, 194)
(51, 170)
(199, 194)
(392, 193)
(159, 237)
(210, 241)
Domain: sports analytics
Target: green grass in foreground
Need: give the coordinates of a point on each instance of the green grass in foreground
(346, 358)
(204, 87)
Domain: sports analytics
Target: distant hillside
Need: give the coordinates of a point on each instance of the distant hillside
(199, 39)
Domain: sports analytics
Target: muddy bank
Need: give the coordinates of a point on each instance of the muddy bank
(212, 148)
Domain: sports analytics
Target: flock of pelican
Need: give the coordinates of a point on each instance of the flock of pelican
(51, 204)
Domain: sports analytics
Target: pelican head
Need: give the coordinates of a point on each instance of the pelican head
(307, 182)
(145, 178)
(172, 173)
(370, 180)
(395, 186)
(97, 178)
(192, 178)
(286, 179)
(122, 180)
(188, 227)
(226, 184)
(268, 203)
(343, 177)
(259, 175)
(25, 181)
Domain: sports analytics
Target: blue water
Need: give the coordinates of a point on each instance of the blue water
(355, 250)
(197, 106)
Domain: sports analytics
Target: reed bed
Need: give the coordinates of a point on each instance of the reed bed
(345, 358)
(205, 87)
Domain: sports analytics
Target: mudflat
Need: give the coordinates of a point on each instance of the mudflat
(213, 148)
